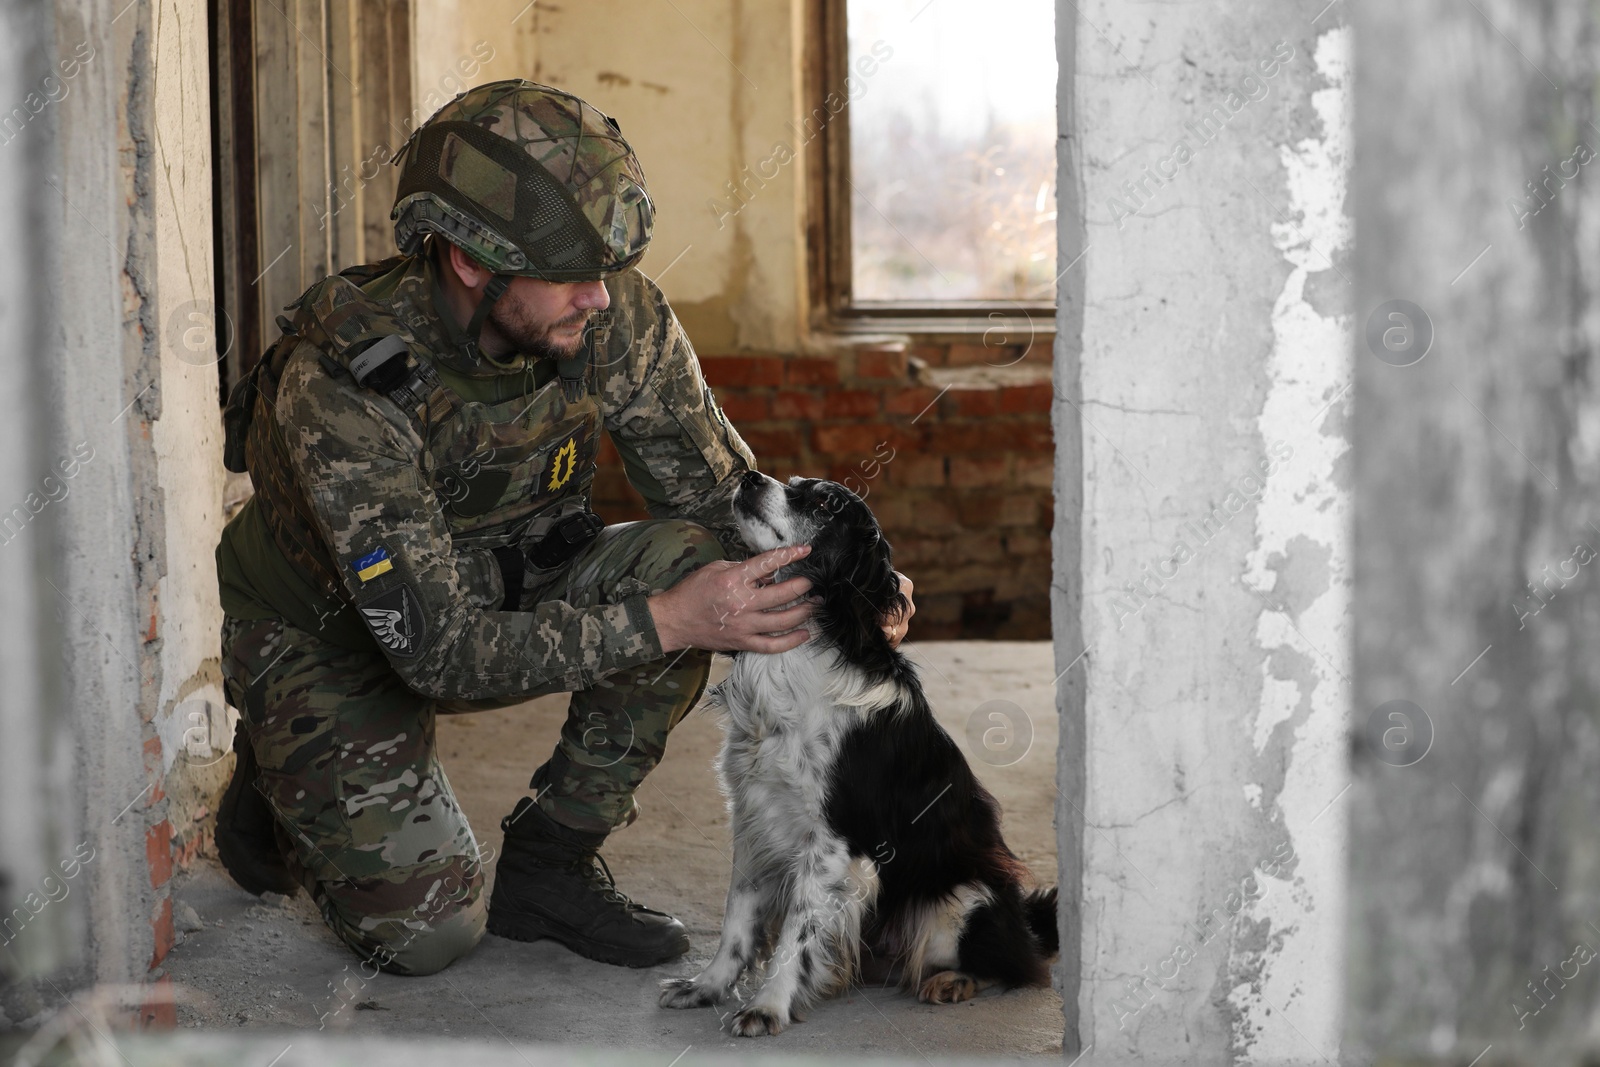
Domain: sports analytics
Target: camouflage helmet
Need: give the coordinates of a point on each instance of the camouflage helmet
(527, 179)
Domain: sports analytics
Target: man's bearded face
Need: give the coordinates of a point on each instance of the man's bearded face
(520, 322)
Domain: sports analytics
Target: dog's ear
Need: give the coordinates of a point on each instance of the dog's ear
(874, 578)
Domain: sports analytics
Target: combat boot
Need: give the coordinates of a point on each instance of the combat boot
(247, 838)
(551, 882)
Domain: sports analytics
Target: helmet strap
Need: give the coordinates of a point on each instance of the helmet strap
(491, 292)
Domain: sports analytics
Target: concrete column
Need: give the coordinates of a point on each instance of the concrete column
(36, 824)
(1475, 865)
(129, 369)
(1202, 558)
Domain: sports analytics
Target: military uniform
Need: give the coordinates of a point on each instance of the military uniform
(420, 542)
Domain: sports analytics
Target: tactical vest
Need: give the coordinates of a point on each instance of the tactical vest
(505, 473)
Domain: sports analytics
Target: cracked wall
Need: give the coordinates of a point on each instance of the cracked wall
(134, 389)
(1204, 384)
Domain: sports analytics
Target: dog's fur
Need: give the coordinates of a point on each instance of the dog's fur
(857, 823)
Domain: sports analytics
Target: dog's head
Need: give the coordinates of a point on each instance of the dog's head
(850, 565)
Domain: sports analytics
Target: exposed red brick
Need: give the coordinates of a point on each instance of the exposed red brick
(1031, 437)
(917, 471)
(1035, 472)
(781, 469)
(970, 355)
(965, 498)
(850, 403)
(158, 853)
(881, 363)
(895, 512)
(1018, 437)
(152, 771)
(742, 370)
(159, 1009)
(161, 926)
(935, 513)
(914, 552)
(971, 437)
(797, 404)
(1020, 543)
(979, 471)
(1019, 509)
(772, 441)
(977, 509)
(198, 843)
(864, 441)
(979, 401)
(968, 577)
(608, 450)
(977, 548)
(1026, 399)
(909, 401)
(745, 407)
(839, 471)
(810, 371)
(845, 440)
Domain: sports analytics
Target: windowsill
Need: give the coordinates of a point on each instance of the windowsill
(990, 357)
(982, 377)
(1002, 324)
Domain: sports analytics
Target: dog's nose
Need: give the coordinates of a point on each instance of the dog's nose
(752, 481)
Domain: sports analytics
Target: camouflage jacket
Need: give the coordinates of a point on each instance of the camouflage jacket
(384, 510)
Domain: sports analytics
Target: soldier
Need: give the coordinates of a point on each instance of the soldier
(422, 439)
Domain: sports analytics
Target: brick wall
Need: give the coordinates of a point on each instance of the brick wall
(954, 458)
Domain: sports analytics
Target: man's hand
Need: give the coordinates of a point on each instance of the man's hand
(726, 607)
(895, 628)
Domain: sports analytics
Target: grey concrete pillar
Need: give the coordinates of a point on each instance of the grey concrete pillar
(1202, 556)
(37, 920)
(104, 387)
(1475, 859)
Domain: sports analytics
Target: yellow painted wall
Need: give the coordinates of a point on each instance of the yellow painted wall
(702, 89)
(458, 44)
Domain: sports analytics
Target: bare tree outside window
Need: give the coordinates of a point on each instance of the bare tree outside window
(952, 151)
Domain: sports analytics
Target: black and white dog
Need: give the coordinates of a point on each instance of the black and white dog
(857, 823)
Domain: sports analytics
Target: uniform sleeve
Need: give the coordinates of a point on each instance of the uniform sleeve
(358, 456)
(678, 448)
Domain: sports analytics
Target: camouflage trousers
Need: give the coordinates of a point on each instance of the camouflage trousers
(350, 768)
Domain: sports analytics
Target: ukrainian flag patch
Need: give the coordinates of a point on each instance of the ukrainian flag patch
(372, 564)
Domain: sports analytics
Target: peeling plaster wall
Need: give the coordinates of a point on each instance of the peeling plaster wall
(192, 723)
(1475, 869)
(1204, 379)
(98, 375)
(699, 112)
(136, 387)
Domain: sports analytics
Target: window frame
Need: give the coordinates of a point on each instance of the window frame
(833, 305)
(301, 110)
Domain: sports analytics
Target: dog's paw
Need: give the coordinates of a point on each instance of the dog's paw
(687, 993)
(756, 1022)
(948, 987)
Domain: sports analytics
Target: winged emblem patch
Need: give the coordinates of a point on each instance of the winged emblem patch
(395, 619)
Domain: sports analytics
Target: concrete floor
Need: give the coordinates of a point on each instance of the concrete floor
(274, 966)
